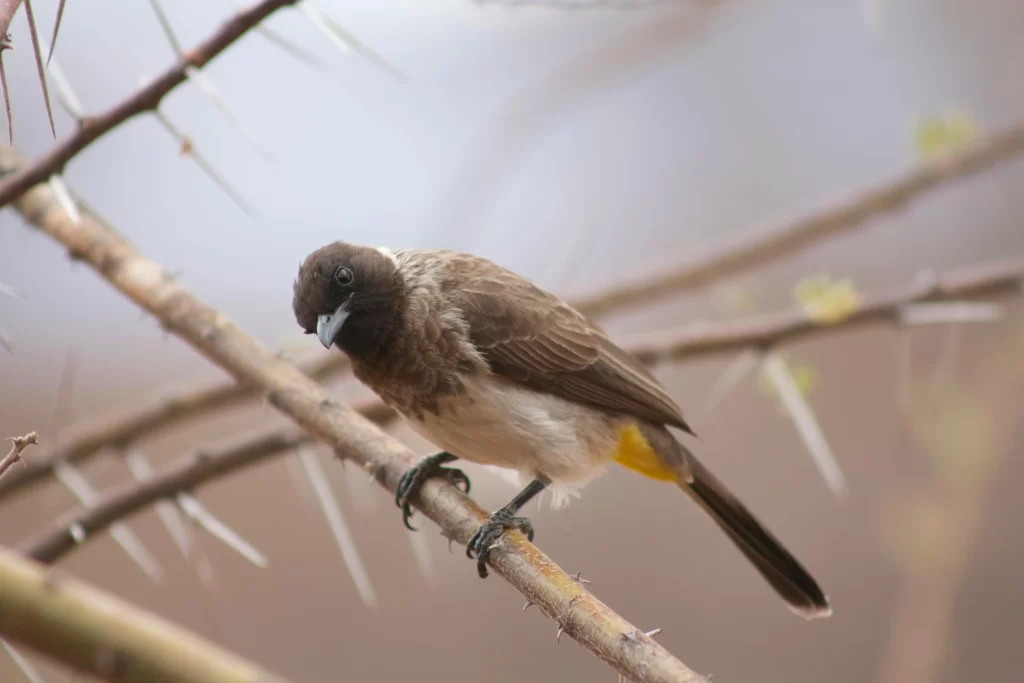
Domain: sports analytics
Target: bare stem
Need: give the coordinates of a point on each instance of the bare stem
(184, 475)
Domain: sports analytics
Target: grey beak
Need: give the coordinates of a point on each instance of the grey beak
(328, 326)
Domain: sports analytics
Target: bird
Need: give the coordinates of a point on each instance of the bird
(493, 369)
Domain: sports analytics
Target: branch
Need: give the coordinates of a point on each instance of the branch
(98, 634)
(757, 247)
(577, 612)
(142, 100)
(764, 331)
(18, 444)
(183, 475)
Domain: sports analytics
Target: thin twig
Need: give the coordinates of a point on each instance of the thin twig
(18, 444)
(183, 475)
(764, 331)
(756, 247)
(146, 98)
(582, 616)
(99, 634)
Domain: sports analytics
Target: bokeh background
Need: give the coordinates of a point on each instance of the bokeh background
(581, 147)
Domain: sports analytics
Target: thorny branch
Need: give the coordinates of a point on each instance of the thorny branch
(184, 475)
(988, 278)
(18, 444)
(581, 615)
(99, 634)
(142, 100)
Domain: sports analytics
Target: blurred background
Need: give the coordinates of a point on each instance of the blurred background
(581, 144)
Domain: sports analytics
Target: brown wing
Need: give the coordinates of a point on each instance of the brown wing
(530, 336)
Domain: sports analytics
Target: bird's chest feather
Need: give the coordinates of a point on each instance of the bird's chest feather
(497, 422)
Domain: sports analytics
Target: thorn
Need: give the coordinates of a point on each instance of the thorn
(558, 636)
(324, 494)
(578, 578)
(7, 99)
(56, 27)
(527, 606)
(653, 632)
(39, 63)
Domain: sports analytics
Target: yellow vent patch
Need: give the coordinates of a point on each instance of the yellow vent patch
(635, 453)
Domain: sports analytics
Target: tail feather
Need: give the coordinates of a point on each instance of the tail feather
(785, 574)
(782, 571)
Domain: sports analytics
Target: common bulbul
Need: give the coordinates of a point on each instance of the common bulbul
(495, 370)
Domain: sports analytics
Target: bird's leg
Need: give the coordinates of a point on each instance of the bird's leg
(413, 479)
(504, 518)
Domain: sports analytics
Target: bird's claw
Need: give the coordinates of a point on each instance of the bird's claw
(489, 533)
(414, 478)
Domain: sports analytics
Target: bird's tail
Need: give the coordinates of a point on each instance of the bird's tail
(787, 576)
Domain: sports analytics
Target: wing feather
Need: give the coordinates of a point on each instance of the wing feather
(530, 336)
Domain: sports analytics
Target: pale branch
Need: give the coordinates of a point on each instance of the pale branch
(18, 445)
(577, 612)
(146, 98)
(98, 634)
(985, 279)
(756, 247)
(183, 475)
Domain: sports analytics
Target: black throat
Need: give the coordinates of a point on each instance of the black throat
(373, 329)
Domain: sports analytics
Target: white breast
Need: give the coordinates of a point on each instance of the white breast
(497, 422)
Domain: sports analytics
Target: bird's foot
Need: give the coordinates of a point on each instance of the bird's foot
(489, 533)
(414, 478)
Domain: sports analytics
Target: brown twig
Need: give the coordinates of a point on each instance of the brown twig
(184, 475)
(988, 278)
(757, 247)
(99, 634)
(142, 100)
(18, 444)
(582, 616)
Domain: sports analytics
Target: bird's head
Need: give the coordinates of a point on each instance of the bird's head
(347, 293)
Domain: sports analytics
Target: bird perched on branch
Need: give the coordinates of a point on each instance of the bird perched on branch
(495, 370)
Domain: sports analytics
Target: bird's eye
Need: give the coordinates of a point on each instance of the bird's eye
(343, 276)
